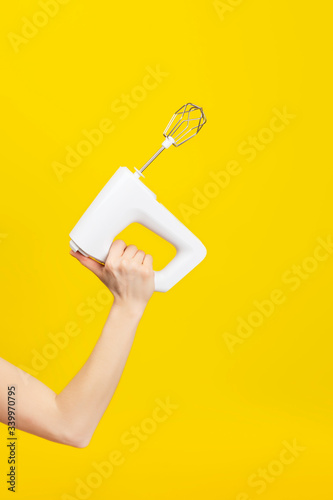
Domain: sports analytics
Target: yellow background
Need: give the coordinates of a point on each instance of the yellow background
(235, 409)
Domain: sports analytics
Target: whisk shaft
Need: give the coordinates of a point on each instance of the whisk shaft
(152, 159)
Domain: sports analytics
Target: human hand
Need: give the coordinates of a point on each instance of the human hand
(127, 273)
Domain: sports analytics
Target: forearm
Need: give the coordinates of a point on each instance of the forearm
(84, 400)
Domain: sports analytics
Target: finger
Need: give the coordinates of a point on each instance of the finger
(130, 251)
(139, 256)
(116, 250)
(89, 263)
(148, 261)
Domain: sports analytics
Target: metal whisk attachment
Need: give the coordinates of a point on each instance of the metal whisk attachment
(185, 124)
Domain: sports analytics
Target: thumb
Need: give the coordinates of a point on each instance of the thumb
(89, 263)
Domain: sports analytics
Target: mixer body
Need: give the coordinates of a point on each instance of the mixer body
(122, 201)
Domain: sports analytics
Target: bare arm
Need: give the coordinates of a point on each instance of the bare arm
(72, 416)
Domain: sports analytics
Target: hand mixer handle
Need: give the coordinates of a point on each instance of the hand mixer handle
(190, 250)
(123, 200)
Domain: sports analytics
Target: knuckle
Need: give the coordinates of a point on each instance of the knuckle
(134, 265)
(145, 272)
(109, 266)
(124, 264)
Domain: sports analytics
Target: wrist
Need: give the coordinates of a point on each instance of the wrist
(132, 310)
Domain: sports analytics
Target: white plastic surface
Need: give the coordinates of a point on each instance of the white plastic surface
(168, 142)
(122, 201)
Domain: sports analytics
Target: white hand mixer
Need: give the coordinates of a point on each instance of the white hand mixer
(125, 199)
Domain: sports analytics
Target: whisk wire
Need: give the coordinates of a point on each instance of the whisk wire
(176, 135)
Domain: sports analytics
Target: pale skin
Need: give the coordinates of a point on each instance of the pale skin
(72, 416)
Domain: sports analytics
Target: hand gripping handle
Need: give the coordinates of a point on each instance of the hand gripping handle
(190, 250)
